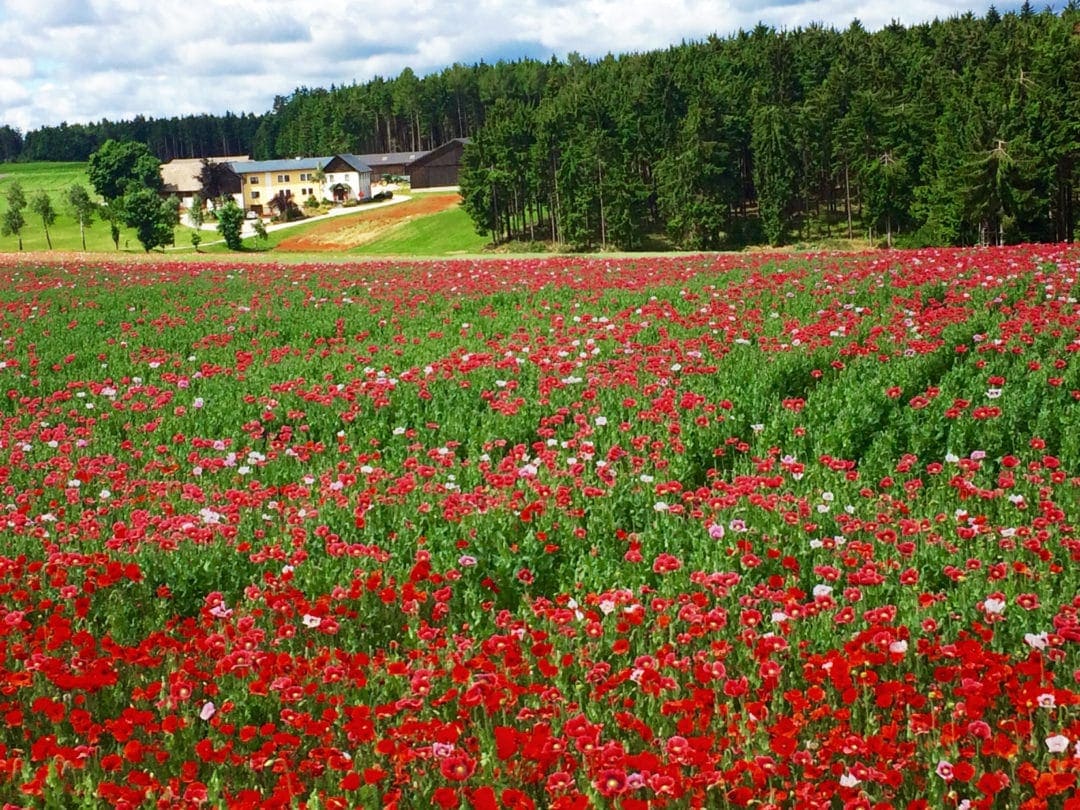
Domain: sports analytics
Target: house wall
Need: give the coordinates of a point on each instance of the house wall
(260, 187)
(359, 183)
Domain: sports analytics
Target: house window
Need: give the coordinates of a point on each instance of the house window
(253, 180)
(254, 195)
(283, 178)
(303, 178)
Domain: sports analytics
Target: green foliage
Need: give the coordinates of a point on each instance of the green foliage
(695, 185)
(11, 143)
(16, 197)
(230, 224)
(286, 207)
(117, 165)
(887, 188)
(153, 219)
(197, 216)
(774, 170)
(82, 208)
(12, 222)
(42, 205)
(216, 179)
(113, 213)
(260, 231)
(997, 191)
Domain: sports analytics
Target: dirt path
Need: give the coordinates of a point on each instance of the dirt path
(342, 234)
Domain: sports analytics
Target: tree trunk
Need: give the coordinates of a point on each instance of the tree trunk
(600, 188)
(847, 199)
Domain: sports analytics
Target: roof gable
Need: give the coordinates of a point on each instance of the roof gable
(347, 163)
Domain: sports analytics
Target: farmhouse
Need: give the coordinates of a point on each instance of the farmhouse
(439, 167)
(337, 177)
(181, 177)
(348, 177)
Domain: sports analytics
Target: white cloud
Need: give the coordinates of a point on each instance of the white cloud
(84, 60)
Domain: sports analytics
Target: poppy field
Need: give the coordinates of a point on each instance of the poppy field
(738, 531)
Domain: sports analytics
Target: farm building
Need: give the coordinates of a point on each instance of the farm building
(348, 177)
(181, 177)
(390, 164)
(344, 177)
(439, 167)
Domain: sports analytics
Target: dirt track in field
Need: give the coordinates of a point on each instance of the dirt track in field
(342, 233)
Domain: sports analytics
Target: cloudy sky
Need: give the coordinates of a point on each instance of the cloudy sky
(84, 60)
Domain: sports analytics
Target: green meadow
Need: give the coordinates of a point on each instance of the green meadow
(55, 179)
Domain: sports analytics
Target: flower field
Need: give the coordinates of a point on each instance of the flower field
(763, 531)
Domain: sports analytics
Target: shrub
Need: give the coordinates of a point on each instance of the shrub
(230, 222)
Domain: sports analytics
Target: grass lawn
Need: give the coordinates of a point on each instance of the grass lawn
(53, 177)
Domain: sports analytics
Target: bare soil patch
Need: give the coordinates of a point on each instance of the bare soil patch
(342, 233)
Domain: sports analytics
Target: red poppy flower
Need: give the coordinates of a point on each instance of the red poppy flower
(457, 767)
(610, 782)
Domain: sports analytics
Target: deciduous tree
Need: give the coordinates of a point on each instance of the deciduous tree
(82, 208)
(13, 220)
(42, 205)
(153, 218)
(215, 179)
(120, 164)
(230, 224)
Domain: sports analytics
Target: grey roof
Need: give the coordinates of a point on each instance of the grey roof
(385, 158)
(356, 161)
(292, 165)
(296, 164)
(439, 150)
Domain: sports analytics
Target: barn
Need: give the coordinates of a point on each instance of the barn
(389, 164)
(439, 167)
(180, 177)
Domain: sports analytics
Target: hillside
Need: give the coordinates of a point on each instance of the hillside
(427, 224)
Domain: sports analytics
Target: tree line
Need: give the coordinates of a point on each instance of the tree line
(404, 114)
(955, 131)
(190, 136)
(961, 131)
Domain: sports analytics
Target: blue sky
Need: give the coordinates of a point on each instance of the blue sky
(84, 60)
